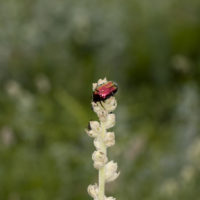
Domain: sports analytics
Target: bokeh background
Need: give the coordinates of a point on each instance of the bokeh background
(50, 54)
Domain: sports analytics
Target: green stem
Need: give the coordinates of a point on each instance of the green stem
(102, 170)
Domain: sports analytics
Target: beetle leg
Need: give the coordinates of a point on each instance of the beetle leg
(102, 105)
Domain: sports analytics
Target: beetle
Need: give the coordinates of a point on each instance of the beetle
(104, 91)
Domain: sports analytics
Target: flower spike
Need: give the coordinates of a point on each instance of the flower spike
(103, 104)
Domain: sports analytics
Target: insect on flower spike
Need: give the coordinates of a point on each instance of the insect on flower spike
(103, 104)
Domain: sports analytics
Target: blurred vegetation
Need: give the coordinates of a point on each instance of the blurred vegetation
(50, 54)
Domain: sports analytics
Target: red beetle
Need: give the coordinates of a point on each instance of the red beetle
(104, 91)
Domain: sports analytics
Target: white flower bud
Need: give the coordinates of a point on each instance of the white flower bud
(97, 107)
(94, 129)
(91, 133)
(99, 159)
(103, 114)
(101, 111)
(95, 126)
(93, 190)
(109, 104)
(94, 85)
(110, 122)
(111, 171)
(97, 143)
(109, 139)
(102, 81)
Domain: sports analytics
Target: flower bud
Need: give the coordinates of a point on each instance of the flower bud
(110, 104)
(100, 111)
(99, 159)
(111, 171)
(94, 129)
(91, 133)
(94, 85)
(94, 125)
(97, 143)
(102, 81)
(93, 190)
(109, 139)
(96, 106)
(110, 121)
(102, 115)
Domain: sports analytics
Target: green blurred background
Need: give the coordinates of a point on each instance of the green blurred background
(50, 54)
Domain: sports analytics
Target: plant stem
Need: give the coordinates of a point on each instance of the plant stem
(102, 170)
